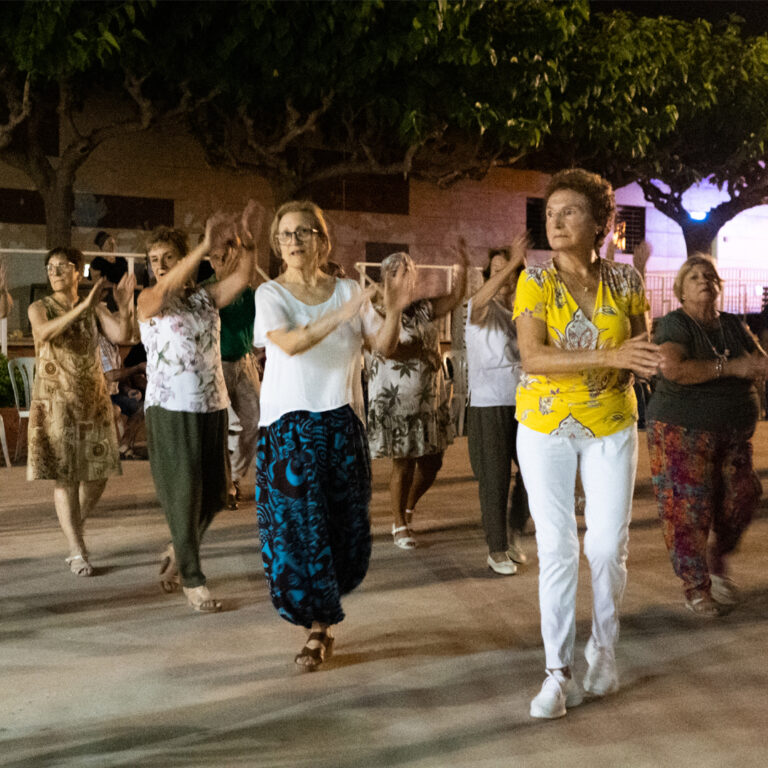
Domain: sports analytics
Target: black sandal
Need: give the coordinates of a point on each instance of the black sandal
(310, 659)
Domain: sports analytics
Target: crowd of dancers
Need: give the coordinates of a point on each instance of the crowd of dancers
(554, 353)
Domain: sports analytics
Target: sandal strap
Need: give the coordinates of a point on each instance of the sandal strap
(399, 528)
(323, 637)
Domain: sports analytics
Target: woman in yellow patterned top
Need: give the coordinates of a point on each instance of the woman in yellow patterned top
(582, 332)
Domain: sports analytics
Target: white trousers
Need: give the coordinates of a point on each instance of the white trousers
(607, 466)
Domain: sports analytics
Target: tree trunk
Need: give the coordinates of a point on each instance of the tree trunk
(59, 202)
(700, 235)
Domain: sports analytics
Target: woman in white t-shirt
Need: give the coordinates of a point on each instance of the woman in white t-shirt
(313, 476)
(493, 362)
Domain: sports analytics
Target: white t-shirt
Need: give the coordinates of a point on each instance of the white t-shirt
(493, 358)
(325, 377)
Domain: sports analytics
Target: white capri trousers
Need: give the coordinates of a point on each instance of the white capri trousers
(608, 466)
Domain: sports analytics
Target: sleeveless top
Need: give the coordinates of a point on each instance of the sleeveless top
(183, 356)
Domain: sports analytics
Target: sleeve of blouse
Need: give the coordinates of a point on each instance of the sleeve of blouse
(530, 296)
(673, 328)
(271, 314)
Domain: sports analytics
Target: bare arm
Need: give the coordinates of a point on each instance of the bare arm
(442, 305)
(6, 302)
(294, 341)
(484, 295)
(44, 329)
(540, 357)
(396, 298)
(678, 367)
(118, 326)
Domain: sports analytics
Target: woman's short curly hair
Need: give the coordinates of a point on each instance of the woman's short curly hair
(315, 212)
(72, 255)
(598, 191)
(175, 237)
(697, 260)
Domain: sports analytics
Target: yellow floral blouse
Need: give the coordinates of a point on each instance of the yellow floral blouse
(594, 402)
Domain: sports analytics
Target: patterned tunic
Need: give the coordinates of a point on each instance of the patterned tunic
(409, 408)
(183, 356)
(72, 435)
(594, 402)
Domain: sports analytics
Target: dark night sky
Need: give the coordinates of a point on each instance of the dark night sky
(755, 12)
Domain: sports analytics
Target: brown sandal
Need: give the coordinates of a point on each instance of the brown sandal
(310, 659)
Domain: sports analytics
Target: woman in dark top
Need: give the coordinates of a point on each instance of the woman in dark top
(701, 418)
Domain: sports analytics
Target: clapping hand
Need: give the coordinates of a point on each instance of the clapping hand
(123, 291)
(251, 224)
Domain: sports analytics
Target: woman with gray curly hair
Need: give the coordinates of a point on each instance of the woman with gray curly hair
(409, 418)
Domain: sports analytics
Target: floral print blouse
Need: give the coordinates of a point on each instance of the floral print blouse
(183, 356)
(594, 402)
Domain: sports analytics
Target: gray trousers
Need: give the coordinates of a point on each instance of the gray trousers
(242, 382)
(492, 438)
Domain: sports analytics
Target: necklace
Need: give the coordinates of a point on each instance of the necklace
(584, 285)
(721, 356)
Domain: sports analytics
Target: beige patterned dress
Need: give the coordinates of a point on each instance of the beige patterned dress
(72, 435)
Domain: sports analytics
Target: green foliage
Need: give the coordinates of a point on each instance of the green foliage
(6, 390)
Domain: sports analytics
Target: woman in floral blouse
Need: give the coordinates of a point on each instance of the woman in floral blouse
(581, 329)
(186, 398)
(409, 417)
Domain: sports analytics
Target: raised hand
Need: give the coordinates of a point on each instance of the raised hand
(641, 255)
(252, 223)
(123, 291)
(220, 231)
(398, 289)
(94, 297)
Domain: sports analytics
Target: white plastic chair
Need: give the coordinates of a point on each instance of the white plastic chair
(4, 443)
(25, 366)
(455, 368)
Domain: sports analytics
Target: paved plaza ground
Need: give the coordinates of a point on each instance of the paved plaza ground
(434, 666)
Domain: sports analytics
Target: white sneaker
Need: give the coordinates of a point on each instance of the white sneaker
(505, 567)
(557, 693)
(723, 590)
(602, 676)
(515, 550)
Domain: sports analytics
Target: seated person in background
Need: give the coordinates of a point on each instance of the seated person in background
(128, 401)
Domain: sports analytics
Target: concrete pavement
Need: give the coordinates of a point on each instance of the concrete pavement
(434, 667)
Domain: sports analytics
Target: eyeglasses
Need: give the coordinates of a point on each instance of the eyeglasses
(59, 269)
(300, 233)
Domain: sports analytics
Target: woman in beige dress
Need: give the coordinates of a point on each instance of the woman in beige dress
(72, 436)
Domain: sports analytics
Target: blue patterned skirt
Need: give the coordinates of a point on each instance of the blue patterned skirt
(313, 489)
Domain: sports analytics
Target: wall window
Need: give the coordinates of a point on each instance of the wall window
(629, 230)
(24, 206)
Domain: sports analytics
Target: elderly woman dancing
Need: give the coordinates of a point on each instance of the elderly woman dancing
(313, 476)
(186, 398)
(72, 435)
(493, 361)
(409, 418)
(702, 416)
(581, 329)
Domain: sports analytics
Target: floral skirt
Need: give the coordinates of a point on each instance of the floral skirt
(313, 491)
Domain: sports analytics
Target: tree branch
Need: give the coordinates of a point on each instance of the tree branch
(19, 106)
